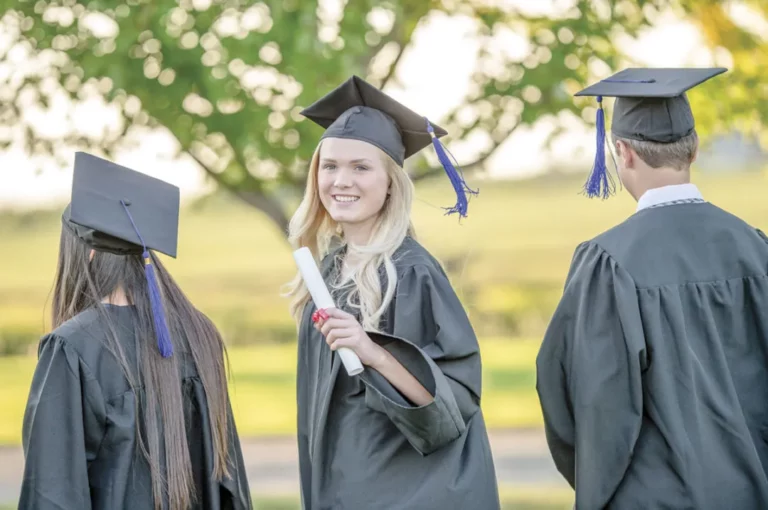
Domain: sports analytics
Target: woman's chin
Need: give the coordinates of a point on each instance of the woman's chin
(345, 219)
(348, 217)
(351, 220)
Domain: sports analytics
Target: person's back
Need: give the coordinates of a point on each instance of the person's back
(96, 449)
(128, 406)
(653, 372)
(701, 277)
(686, 244)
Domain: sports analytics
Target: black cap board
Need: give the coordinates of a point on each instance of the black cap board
(358, 110)
(651, 104)
(96, 213)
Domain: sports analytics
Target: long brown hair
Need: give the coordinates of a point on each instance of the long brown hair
(82, 284)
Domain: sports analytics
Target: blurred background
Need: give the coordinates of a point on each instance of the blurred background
(206, 93)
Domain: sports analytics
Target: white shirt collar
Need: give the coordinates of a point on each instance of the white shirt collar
(665, 194)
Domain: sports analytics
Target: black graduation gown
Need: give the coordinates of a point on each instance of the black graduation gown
(653, 374)
(79, 434)
(362, 445)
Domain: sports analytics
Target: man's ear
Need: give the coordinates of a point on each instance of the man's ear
(625, 153)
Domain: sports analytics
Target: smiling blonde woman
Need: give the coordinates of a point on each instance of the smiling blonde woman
(408, 432)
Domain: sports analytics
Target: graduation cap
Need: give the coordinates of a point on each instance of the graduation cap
(360, 111)
(651, 106)
(121, 211)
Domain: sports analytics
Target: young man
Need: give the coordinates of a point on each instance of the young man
(653, 374)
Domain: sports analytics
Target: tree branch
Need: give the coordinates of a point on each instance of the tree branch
(431, 172)
(399, 35)
(393, 66)
(258, 199)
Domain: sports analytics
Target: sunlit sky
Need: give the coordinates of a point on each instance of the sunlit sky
(429, 82)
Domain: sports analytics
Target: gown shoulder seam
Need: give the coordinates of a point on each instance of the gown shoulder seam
(603, 250)
(70, 347)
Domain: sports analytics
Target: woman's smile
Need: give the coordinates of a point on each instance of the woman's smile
(346, 198)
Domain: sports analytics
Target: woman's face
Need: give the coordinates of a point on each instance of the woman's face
(352, 181)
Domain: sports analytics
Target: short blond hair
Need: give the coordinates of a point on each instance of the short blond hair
(678, 154)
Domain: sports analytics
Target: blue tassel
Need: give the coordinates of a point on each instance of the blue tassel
(454, 174)
(163, 334)
(600, 183)
(158, 314)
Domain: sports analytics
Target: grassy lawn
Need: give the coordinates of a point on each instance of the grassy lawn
(263, 387)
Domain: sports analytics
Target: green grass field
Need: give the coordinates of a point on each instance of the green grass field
(507, 262)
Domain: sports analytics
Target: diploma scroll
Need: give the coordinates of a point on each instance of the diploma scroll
(322, 299)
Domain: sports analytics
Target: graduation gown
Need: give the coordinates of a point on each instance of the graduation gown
(653, 374)
(361, 443)
(79, 432)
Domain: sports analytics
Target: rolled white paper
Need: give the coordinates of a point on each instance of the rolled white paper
(322, 299)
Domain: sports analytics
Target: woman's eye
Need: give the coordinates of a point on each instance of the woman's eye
(361, 168)
(329, 167)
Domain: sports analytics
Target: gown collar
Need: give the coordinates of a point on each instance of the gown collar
(670, 195)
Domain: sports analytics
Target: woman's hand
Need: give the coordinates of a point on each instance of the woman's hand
(341, 329)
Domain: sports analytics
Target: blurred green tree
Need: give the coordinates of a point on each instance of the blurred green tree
(227, 78)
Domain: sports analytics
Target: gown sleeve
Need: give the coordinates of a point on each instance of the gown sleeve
(434, 340)
(589, 376)
(63, 427)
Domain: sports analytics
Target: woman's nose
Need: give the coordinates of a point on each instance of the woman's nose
(343, 178)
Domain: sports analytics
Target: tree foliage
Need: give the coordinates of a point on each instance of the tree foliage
(227, 78)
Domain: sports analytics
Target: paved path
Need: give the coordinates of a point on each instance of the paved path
(521, 459)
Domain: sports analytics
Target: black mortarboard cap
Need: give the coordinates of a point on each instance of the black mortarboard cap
(97, 216)
(360, 111)
(119, 210)
(651, 106)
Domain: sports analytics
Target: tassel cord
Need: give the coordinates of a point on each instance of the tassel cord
(455, 175)
(164, 344)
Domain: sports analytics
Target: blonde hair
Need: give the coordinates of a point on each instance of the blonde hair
(678, 154)
(313, 227)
